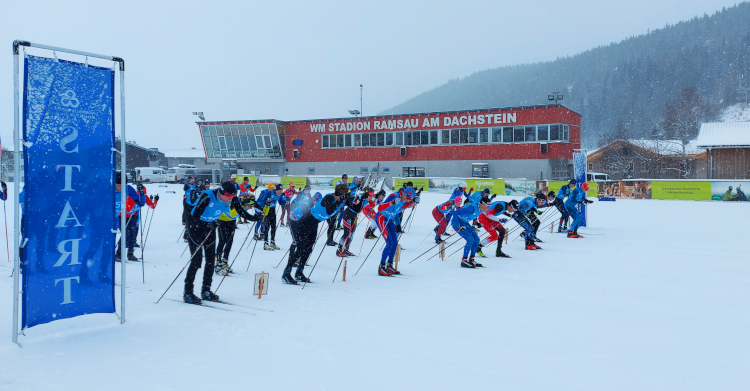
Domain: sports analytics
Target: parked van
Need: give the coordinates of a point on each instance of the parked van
(203, 174)
(177, 174)
(150, 174)
(596, 177)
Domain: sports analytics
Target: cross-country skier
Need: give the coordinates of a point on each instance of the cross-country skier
(202, 235)
(349, 220)
(227, 227)
(460, 191)
(306, 221)
(245, 187)
(189, 188)
(442, 214)
(406, 186)
(4, 195)
(530, 206)
(528, 229)
(559, 203)
(268, 200)
(289, 193)
(370, 209)
(135, 199)
(461, 223)
(386, 218)
(577, 196)
(492, 222)
(262, 209)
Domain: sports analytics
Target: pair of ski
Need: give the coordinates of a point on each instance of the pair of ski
(219, 305)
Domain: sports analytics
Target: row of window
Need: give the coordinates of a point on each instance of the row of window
(242, 141)
(505, 134)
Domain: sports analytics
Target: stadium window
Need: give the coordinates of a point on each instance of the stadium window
(340, 140)
(407, 138)
(483, 137)
(518, 134)
(363, 170)
(347, 140)
(629, 166)
(275, 170)
(455, 136)
(473, 135)
(508, 134)
(365, 139)
(381, 139)
(446, 136)
(374, 170)
(373, 139)
(399, 138)
(530, 133)
(425, 137)
(433, 137)
(464, 136)
(415, 140)
(389, 139)
(554, 132)
(357, 140)
(565, 132)
(311, 170)
(591, 167)
(542, 132)
(497, 135)
(386, 170)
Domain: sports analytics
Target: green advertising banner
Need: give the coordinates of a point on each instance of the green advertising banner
(556, 185)
(241, 177)
(299, 182)
(680, 190)
(417, 182)
(496, 186)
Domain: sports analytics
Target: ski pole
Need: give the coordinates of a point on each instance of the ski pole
(430, 249)
(143, 268)
(181, 233)
(290, 249)
(251, 256)
(149, 227)
(363, 237)
(313, 268)
(183, 268)
(368, 254)
(480, 237)
(235, 257)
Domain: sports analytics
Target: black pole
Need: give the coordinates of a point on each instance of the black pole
(235, 257)
(183, 268)
(430, 249)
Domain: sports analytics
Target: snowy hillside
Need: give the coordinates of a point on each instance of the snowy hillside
(735, 113)
(655, 297)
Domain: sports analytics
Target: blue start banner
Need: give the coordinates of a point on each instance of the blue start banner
(69, 209)
(579, 170)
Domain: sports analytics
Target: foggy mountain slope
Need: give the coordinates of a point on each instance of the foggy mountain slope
(628, 81)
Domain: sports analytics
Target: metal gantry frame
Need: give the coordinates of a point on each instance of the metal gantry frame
(17, 156)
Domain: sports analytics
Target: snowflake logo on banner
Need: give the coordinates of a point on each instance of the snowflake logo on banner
(69, 99)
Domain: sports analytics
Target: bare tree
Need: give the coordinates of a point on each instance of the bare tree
(682, 120)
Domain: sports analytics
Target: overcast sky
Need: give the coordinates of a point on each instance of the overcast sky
(289, 60)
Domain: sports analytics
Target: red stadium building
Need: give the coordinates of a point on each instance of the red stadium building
(534, 142)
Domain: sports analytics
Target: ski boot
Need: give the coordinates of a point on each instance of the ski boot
(391, 269)
(535, 246)
(500, 254)
(370, 234)
(340, 252)
(225, 261)
(210, 296)
(398, 229)
(572, 234)
(257, 236)
(221, 267)
(190, 298)
(438, 240)
(132, 257)
(479, 252)
(467, 264)
(136, 245)
(475, 263)
(299, 276)
(530, 245)
(274, 246)
(560, 228)
(538, 240)
(287, 277)
(383, 270)
(281, 224)
(331, 243)
(267, 247)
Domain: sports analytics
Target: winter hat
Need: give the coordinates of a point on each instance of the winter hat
(485, 201)
(344, 176)
(462, 185)
(486, 190)
(540, 196)
(271, 186)
(585, 186)
(228, 189)
(551, 194)
(457, 201)
(572, 182)
(317, 196)
(341, 189)
(513, 204)
(410, 193)
(307, 187)
(291, 184)
(278, 187)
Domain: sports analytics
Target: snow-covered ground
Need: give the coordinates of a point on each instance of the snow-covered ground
(736, 113)
(655, 297)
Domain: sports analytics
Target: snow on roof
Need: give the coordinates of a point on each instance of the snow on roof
(666, 147)
(185, 152)
(724, 134)
(735, 113)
